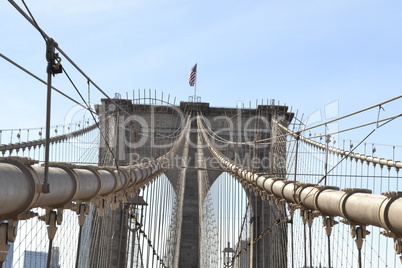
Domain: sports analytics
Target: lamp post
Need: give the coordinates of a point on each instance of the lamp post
(227, 256)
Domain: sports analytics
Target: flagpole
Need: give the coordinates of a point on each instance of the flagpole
(195, 83)
(195, 89)
(192, 79)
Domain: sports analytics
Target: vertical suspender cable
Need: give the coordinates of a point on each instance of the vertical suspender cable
(150, 216)
(113, 237)
(92, 246)
(254, 229)
(78, 246)
(234, 217)
(166, 226)
(294, 192)
(133, 231)
(168, 223)
(162, 201)
(128, 238)
(227, 209)
(139, 253)
(149, 222)
(305, 243)
(49, 253)
(159, 217)
(239, 215)
(144, 221)
(329, 250)
(50, 46)
(154, 220)
(220, 217)
(311, 244)
(105, 253)
(152, 240)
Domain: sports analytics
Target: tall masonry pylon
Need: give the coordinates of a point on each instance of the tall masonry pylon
(140, 132)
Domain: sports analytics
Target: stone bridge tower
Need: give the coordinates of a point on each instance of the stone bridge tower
(142, 132)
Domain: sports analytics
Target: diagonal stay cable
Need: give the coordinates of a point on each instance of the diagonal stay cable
(356, 127)
(346, 156)
(347, 153)
(93, 117)
(65, 55)
(42, 81)
(354, 113)
(350, 152)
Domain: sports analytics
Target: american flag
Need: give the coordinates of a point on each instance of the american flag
(192, 75)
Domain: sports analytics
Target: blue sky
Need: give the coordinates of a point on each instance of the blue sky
(306, 54)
